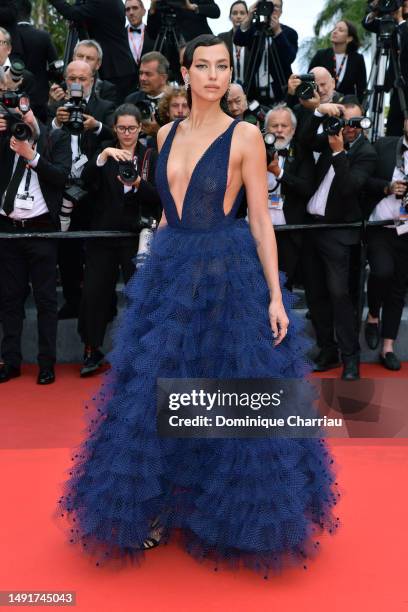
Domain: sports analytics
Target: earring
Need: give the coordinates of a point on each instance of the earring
(186, 83)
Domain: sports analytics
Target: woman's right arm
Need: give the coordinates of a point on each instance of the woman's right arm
(161, 137)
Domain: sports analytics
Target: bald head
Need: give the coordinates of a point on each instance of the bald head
(80, 72)
(325, 83)
(237, 100)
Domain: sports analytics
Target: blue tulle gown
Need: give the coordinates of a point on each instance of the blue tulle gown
(198, 308)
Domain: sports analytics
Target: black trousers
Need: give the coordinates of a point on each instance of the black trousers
(395, 119)
(387, 254)
(289, 255)
(23, 261)
(102, 263)
(326, 277)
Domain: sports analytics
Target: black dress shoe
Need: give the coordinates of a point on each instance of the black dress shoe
(46, 376)
(7, 372)
(326, 360)
(372, 335)
(351, 368)
(93, 360)
(68, 311)
(390, 361)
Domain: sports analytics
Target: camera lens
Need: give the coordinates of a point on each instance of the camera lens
(20, 131)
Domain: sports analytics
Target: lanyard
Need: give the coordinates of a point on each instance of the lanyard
(337, 74)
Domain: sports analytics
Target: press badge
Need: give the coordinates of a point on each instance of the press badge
(402, 224)
(24, 200)
(275, 201)
(81, 161)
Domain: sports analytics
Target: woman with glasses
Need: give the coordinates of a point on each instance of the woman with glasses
(118, 204)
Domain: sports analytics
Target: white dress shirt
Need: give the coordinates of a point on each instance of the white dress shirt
(389, 206)
(136, 41)
(34, 190)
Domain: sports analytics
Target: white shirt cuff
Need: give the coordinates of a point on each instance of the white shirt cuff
(34, 162)
(318, 113)
(280, 175)
(99, 130)
(99, 162)
(54, 124)
(336, 153)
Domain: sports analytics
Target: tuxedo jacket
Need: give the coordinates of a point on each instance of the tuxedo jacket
(105, 90)
(297, 184)
(8, 20)
(53, 167)
(113, 209)
(286, 45)
(355, 77)
(352, 170)
(189, 24)
(386, 149)
(104, 20)
(39, 51)
(228, 37)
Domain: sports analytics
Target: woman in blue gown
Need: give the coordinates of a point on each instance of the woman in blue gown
(208, 302)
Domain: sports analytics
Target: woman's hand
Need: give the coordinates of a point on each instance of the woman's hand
(116, 154)
(279, 320)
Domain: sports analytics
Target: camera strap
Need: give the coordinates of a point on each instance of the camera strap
(146, 164)
(337, 73)
(399, 161)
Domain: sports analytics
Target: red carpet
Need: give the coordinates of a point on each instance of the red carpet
(362, 568)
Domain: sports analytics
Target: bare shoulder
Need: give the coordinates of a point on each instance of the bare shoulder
(248, 132)
(163, 133)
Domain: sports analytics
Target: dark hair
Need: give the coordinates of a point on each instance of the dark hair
(351, 100)
(127, 109)
(238, 2)
(24, 9)
(354, 44)
(204, 40)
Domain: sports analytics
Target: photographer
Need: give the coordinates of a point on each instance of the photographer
(153, 76)
(105, 22)
(136, 31)
(173, 105)
(347, 160)
(120, 199)
(93, 118)
(34, 165)
(374, 21)
(15, 70)
(290, 184)
(238, 14)
(386, 194)
(88, 51)
(191, 16)
(343, 61)
(8, 20)
(273, 64)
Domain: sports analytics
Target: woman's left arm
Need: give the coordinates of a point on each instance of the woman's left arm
(254, 175)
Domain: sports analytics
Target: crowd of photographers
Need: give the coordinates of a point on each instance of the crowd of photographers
(78, 151)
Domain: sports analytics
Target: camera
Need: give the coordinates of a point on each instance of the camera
(258, 110)
(16, 70)
(333, 125)
(9, 101)
(55, 71)
(264, 8)
(74, 191)
(385, 7)
(76, 106)
(147, 109)
(269, 140)
(307, 88)
(128, 171)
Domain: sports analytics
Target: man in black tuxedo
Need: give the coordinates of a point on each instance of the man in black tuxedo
(8, 20)
(399, 41)
(290, 185)
(97, 128)
(33, 173)
(104, 21)
(191, 20)
(39, 51)
(140, 42)
(346, 161)
(238, 14)
(27, 82)
(272, 67)
(387, 250)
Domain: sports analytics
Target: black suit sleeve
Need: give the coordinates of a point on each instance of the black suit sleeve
(209, 8)
(78, 12)
(351, 176)
(54, 166)
(300, 177)
(317, 60)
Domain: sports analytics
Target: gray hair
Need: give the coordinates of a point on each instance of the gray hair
(6, 35)
(281, 106)
(90, 43)
(155, 56)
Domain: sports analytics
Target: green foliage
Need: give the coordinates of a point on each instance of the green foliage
(46, 17)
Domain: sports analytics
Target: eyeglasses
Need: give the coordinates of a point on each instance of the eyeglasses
(122, 129)
(5, 43)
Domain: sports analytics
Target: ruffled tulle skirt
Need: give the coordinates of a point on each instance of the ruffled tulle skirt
(198, 308)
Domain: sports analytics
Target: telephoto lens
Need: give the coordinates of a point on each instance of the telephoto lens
(17, 68)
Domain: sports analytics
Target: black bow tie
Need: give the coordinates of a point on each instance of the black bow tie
(132, 29)
(283, 152)
(404, 148)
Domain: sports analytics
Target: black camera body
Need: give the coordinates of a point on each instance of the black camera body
(269, 140)
(307, 88)
(333, 125)
(128, 171)
(147, 109)
(76, 106)
(9, 101)
(264, 8)
(55, 71)
(385, 7)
